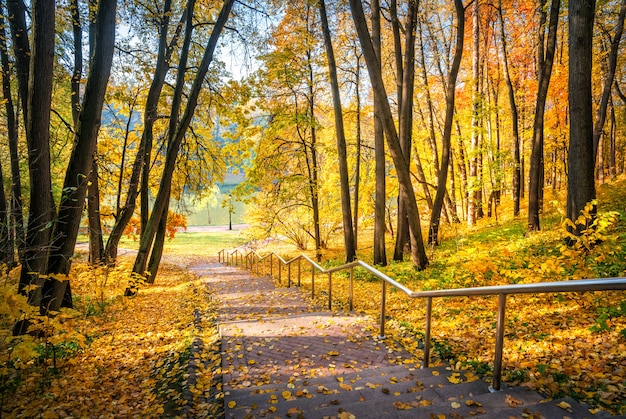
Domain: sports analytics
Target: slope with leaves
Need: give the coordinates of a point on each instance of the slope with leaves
(112, 355)
(571, 344)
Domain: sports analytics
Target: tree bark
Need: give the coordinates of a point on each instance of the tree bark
(357, 165)
(545, 62)
(418, 253)
(342, 153)
(406, 72)
(162, 198)
(514, 116)
(15, 219)
(96, 240)
(81, 159)
(442, 178)
(21, 49)
(41, 209)
(475, 185)
(608, 81)
(380, 252)
(580, 185)
(149, 117)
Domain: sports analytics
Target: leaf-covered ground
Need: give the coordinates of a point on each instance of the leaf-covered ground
(571, 344)
(114, 356)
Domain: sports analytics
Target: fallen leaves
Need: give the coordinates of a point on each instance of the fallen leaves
(134, 358)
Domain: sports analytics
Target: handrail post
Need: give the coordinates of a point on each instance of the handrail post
(351, 297)
(312, 282)
(289, 275)
(381, 335)
(330, 291)
(271, 265)
(429, 311)
(299, 270)
(497, 362)
(280, 271)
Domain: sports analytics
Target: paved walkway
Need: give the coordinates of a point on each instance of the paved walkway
(273, 335)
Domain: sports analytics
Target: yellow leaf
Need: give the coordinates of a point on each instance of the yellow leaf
(455, 378)
(435, 373)
(455, 405)
(333, 353)
(564, 405)
(286, 394)
(232, 404)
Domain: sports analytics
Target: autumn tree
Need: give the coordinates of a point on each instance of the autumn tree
(581, 181)
(407, 194)
(442, 177)
(286, 167)
(546, 48)
(380, 254)
(348, 230)
(177, 132)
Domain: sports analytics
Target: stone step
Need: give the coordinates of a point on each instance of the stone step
(397, 392)
(290, 363)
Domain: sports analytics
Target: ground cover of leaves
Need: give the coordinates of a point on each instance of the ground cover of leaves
(113, 356)
(566, 344)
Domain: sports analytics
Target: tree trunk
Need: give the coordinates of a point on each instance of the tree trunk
(477, 105)
(357, 166)
(6, 242)
(96, 242)
(162, 198)
(15, 219)
(514, 116)
(442, 178)
(580, 185)
(158, 247)
(149, 117)
(418, 253)
(608, 81)
(21, 49)
(41, 209)
(342, 153)
(404, 109)
(81, 160)
(380, 253)
(406, 116)
(545, 62)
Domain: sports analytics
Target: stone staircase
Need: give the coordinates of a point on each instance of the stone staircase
(397, 392)
(282, 357)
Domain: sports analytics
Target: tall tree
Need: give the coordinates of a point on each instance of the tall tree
(581, 182)
(418, 252)
(16, 220)
(474, 203)
(150, 115)
(545, 60)
(38, 105)
(342, 153)
(406, 87)
(380, 253)
(517, 177)
(102, 42)
(159, 209)
(433, 231)
(609, 79)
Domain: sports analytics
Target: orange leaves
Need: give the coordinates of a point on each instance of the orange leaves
(130, 357)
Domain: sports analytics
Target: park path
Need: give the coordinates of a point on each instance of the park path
(283, 357)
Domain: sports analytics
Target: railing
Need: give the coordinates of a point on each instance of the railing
(583, 285)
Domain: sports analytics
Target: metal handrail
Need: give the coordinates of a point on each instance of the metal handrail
(581, 285)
